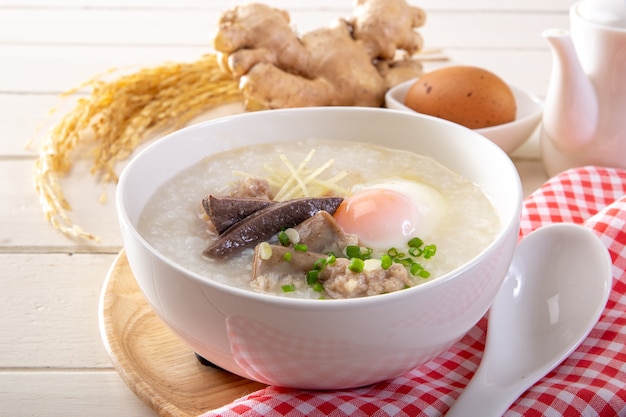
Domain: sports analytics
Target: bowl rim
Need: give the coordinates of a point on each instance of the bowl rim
(304, 303)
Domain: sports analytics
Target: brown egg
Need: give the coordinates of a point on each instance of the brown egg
(470, 96)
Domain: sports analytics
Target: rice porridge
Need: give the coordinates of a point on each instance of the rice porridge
(456, 216)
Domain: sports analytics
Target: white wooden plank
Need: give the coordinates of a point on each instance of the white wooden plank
(62, 394)
(26, 118)
(23, 224)
(24, 227)
(55, 69)
(487, 6)
(491, 30)
(23, 117)
(484, 5)
(194, 27)
(50, 311)
(167, 27)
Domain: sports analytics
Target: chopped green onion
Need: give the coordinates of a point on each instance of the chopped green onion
(416, 252)
(361, 260)
(312, 276)
(394, 253)
(405, 261)
(301, 247)
(416, 242)
(356, 265)
(353, 251)
(359, 252)
(288, 288)
(319, 264)
(318, 287)
(416, 268)
(430, 251)
(283, 238)
(287, 256)
(385, 261)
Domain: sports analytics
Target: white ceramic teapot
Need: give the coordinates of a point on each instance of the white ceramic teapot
(584, 120)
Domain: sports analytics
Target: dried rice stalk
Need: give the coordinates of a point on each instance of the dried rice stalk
(117, 116)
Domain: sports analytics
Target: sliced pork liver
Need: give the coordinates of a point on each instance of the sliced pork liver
(263, 224)
(225, 211)
(322, 234)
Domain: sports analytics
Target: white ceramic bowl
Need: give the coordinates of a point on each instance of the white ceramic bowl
(315, 344)
(508, 136)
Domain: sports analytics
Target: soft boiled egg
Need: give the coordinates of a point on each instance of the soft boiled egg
(391, 212)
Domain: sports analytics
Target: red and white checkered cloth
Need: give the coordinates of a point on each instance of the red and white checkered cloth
(591, 382)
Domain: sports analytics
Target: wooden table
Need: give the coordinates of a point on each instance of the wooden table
(52, 359)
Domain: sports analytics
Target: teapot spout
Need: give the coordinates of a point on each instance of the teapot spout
(571, 109)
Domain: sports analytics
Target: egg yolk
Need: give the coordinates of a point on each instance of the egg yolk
(380, 218)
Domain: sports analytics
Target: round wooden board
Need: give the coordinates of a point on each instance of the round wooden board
(162, 371)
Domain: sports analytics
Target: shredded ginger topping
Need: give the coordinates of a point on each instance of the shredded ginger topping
(301, 181)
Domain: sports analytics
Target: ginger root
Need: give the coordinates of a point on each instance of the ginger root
(352, 62)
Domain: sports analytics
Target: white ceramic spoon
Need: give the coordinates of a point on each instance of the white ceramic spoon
(553, 295)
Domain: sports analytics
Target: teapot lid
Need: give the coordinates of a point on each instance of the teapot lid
(604, 12)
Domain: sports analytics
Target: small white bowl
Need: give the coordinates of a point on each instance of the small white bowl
(508, 136)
